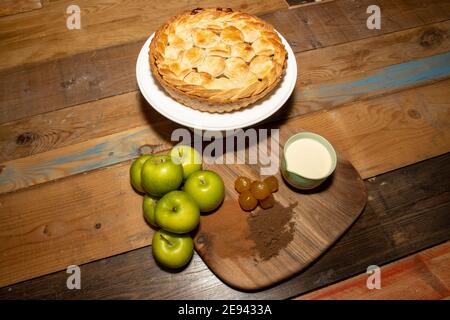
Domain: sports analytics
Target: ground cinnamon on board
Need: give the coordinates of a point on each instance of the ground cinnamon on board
(271, 230)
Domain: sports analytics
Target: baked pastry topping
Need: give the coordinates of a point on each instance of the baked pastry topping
(217, 60)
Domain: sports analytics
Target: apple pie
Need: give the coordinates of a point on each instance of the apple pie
(217, 60)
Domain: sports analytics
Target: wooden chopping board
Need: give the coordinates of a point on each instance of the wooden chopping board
(239, 247)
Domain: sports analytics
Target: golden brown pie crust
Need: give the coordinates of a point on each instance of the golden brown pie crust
(217, 60)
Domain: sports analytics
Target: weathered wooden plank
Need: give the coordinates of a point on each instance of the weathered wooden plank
(101, 73)
(95, 73)
(357, 57)
(378, 135)
(83, 157)
(103, 24)
(322, 66)
(121, 160)
(407, 212)
(427, 11)
(36, 89)
(342, 21)
(386, 133)
(369, 84)
(84, 221)
(9, 7)
(422, 276)
(301, 3)
(76, 124)
(389, 132)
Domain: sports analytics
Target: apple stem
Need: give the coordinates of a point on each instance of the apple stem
(202, 181)
(166, 240)
(180, 152)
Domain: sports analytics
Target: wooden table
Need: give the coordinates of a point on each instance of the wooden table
(71, 120)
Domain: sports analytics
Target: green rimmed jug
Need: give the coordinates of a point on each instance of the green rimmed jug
(302, 179)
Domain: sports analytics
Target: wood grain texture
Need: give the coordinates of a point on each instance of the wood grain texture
(319, 219)
(358, 57)
(302, 3)
(40, 88)
(103, 24)
(101, 73)
(89, 160)
(381, 135)
(73, 125)
(386, 133)
(320, 85)
(371, 84)
(407, 211)
(422, 276)
(340, 21)
(9, 7)
(377, 135)
(83, 157)
(79, 221)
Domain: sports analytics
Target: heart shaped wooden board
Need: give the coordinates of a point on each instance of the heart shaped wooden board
(253, 251)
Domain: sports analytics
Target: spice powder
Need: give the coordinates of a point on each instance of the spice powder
(272, 229)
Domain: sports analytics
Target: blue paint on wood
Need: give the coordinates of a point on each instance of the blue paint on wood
(124, 146)
(96, 164)
(93, 151)
(388, 78)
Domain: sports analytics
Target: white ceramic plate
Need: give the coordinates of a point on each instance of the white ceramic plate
(171, 109)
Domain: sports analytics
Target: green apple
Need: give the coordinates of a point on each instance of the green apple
(135, 172)
(172, 250)
(177, 212)
(189, 158)
(160, 175)
(149, 206)
(207, 189)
